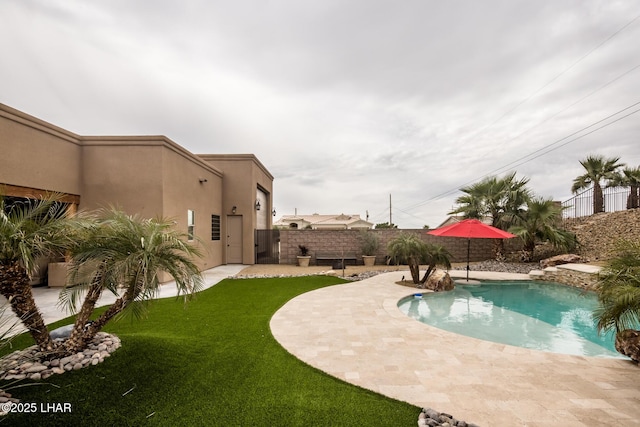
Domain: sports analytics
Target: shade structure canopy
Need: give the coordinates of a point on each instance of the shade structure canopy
(471, 229)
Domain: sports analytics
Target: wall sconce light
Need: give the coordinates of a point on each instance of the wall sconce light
(257, 204)
(233, 210)
(202, 180)
(273, 212)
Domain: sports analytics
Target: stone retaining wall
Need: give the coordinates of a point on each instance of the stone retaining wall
(598, 234)
(577, 275)
(336, 241)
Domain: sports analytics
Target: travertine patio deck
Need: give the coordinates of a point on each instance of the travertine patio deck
(356, 332)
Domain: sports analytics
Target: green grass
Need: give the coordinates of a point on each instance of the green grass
(213, 362)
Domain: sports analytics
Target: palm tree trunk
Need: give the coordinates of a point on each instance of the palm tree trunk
(78, 339)
(414, 268)
(427, 274)
(633, 200)
(87, 333)
(14, 285)
(598, 198)
(113, 310)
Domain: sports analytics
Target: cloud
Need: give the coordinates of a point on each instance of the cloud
(345, 102)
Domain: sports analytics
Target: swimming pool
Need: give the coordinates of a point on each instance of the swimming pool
(542, 316)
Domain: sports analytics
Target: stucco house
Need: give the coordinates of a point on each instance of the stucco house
(218, 199)
(323, 222)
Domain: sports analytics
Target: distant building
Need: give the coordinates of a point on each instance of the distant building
(323, 222)
(218, 200)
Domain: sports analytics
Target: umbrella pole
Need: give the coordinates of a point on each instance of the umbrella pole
(468, 254)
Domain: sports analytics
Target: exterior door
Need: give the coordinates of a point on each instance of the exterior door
(234, 239)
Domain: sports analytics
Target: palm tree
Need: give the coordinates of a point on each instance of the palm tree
(597, 168)
(410, 249)
(29, 230)
(539, 222)
(435, 255)
(493, 197)
(629, 177)
(619, 293)
(125, 255)
(500, 199)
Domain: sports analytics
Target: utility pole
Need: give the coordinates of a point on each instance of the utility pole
(390, 218)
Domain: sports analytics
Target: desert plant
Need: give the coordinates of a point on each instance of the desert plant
(597, 168)
(619, 295)
(124, 255)
(29, 230)
(411, 250)
(539, 222)
(629, 177)
(386, 225)
(369, 243)
(619, 289)
(500, 199)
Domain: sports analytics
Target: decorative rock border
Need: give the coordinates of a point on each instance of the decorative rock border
(431, 418)
(352, 277)
(32, 364)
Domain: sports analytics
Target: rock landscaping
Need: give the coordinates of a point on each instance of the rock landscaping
(597, 234)
(429, 417)
(32, 364)
(352, 277)
(503, 267)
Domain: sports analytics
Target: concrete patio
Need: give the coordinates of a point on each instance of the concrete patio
(356, 332)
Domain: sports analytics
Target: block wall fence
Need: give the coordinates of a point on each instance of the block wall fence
(336, 241)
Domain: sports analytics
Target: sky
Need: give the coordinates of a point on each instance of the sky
(370, 107)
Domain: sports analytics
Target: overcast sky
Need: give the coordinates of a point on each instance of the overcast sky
(345, 102)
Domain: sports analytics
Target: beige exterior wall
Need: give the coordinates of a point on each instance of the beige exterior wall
(243, 175)
(154, 177)
(122, 173)
(38, 155)
(147, 175)
(183, 191)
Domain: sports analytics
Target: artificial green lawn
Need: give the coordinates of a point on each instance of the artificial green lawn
(211, 362)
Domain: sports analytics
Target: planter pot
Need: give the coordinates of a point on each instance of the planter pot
(369, 260)
(57, 276)
(303, 261)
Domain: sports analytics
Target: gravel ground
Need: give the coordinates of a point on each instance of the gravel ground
(357, 272)
(503, 267)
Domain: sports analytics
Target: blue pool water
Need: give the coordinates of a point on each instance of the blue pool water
(541, 316)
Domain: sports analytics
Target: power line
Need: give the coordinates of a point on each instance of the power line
(583, 57)
(506, 167)
(549, 148)
(577, 102)
(580, 137)
(525, 100)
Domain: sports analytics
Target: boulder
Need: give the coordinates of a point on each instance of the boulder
(62, 332)
(628, 343)
(560, 259)
(439, 280)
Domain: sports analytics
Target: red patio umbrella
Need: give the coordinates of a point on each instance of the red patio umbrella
(471, 229)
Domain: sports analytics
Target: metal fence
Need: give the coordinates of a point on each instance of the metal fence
(615, 199)
(267, 247)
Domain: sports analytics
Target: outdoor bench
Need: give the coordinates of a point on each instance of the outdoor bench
(335, 258)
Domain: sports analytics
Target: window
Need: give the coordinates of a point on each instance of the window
(215, 227)
(191, 224)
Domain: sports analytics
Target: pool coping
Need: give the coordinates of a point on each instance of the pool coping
(356, 332)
